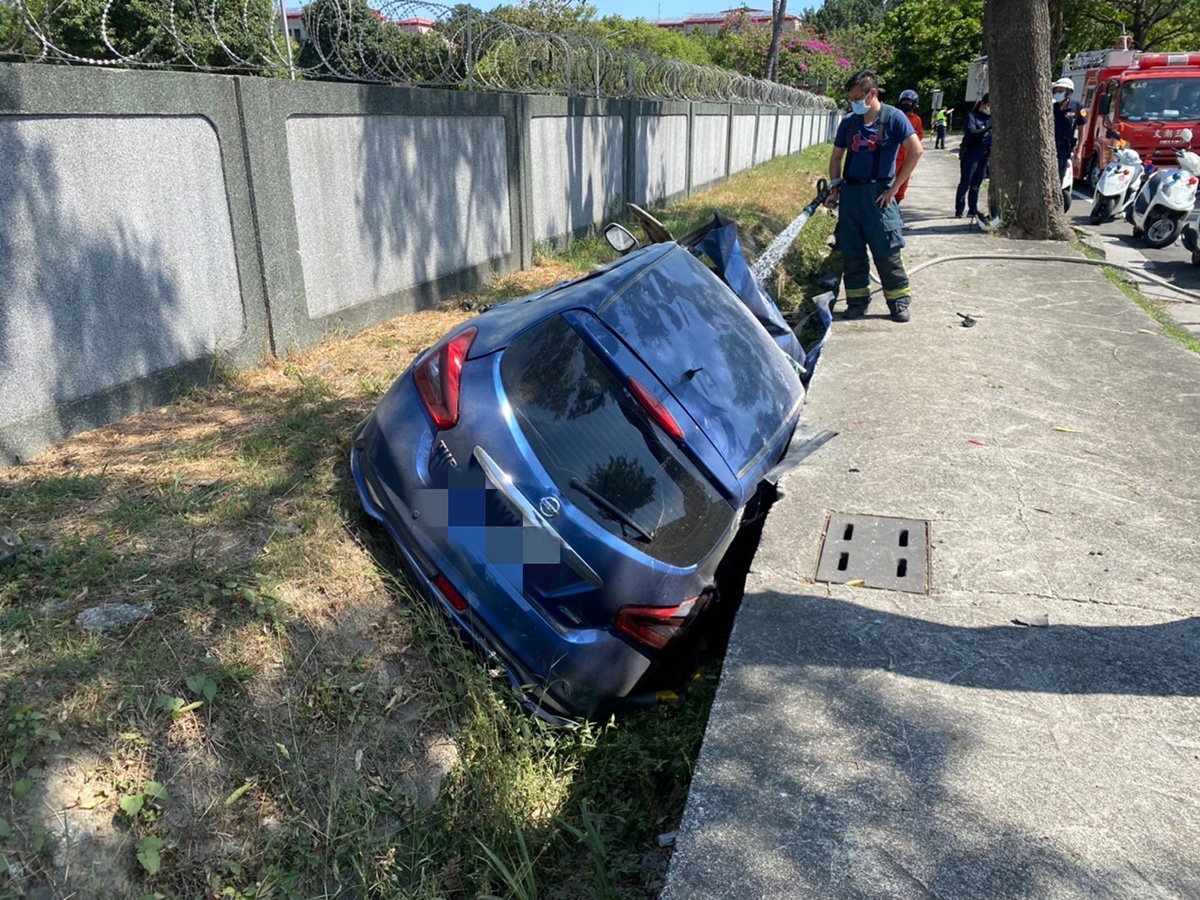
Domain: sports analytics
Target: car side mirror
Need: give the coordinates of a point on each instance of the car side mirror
(1105, 104)
(620, 238)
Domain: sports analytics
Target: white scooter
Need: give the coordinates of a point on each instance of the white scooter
(1117, 186)
(1166, 199)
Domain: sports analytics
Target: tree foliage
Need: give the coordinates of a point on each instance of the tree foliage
(646, 37)
(10, 33)
(932, 43)
(222, 34)
(806, 59)
(840, 16)
(351, 39)
(1153, 24)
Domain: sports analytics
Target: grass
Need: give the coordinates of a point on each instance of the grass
(1156, 309)
(290, 722)
(763, 201)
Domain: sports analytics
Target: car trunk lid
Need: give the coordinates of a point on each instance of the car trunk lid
(712, 354)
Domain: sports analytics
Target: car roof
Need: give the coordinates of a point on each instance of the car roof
(503, 322)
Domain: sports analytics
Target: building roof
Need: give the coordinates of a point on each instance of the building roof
(716, 18)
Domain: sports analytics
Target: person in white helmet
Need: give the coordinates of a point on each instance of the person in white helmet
(1069, 117)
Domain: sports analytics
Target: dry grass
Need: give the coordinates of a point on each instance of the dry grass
(301, 713)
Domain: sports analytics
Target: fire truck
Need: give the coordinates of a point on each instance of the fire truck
(1143, 99)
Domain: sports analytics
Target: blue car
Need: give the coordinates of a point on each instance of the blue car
(563, 473)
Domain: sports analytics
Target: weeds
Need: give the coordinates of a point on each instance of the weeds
(1156, 309)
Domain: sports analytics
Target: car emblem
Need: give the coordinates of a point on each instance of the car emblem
(549, 506)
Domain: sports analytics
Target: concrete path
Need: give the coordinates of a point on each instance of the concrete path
(878, 744)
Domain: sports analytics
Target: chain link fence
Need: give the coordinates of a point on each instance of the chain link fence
(401, 43)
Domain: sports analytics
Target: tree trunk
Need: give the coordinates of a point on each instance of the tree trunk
(1024, 166)
(1140, 29)
(1058, 34)
(779, 9)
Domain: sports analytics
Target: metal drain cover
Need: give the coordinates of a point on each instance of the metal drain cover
(882, 552)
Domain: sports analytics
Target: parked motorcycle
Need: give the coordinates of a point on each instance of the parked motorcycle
(1166, 200)
(1117, 186)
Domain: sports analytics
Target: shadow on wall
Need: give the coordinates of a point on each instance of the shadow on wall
(577, 171)
(874, 798)
(595, 161)
(94, 296)
(660, 158)
(431, 197)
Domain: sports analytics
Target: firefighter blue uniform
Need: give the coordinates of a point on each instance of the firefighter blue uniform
(1069, 117)
(973, 160)
(870, 166)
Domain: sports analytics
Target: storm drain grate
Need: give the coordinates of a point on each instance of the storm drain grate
(881, 552)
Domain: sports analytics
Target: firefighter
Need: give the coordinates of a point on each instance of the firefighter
(1069, 117)
(908, 106)
(866, 142)
(973, 156)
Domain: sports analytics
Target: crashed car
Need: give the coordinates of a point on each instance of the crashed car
(563, 473)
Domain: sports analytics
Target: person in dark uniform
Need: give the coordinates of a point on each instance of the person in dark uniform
(973, 158)
(863, 173)
(1069, 117)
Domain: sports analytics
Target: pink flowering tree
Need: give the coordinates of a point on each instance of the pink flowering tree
(806, 59)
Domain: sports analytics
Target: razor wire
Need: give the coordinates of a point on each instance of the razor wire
(401, 42)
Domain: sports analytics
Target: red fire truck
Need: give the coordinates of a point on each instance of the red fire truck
(1143, 99)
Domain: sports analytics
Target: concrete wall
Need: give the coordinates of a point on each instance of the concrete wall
(661, 146)
(127, 246)
(800, 130)
(710, 149)
(153, 222)
(741, 142)
(107, 276)
(764, 142)
(373, 216)
(578, 164)
(783, 131)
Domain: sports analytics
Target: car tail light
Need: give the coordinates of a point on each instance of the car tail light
(439, 375)
(658, 412)
(450, 592)
(655, 626)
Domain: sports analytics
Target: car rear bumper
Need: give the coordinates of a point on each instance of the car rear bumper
(570, 673)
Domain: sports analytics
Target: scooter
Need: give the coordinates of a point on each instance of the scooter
(1117, 186)
(1166, 199)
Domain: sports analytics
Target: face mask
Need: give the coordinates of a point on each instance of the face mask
(906, 105)
(1059, 97)
(859, 107)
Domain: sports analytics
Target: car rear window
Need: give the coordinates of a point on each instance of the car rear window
(586, 427)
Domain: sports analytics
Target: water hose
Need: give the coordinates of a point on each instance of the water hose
(774, 253)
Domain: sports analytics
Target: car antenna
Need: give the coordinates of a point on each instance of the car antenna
(691, 373)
